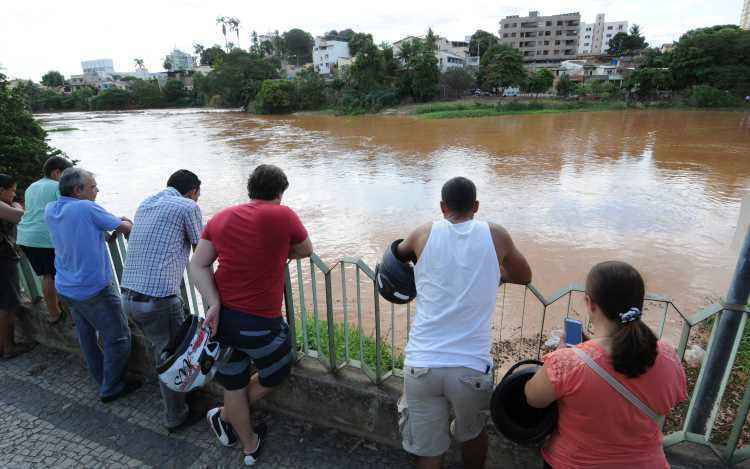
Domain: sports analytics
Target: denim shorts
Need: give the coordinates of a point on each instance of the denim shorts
(263, 342)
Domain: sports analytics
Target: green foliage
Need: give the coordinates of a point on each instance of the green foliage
(275, 97)
(457, 81)
(298, 46)
(146, 93)
(368, 354)
(462, 110)
(373, 101)
(501, 66)
(718, 56)
(114, 99)
(174, 90)
(53, 79)
(481, 41)
(708, 96)
(565, 86)
(540, 82)
(212, 56)
(627, 43)
(343, 35)
(646, 82)
(237, 78)
(310, 90)
(420, 74)
(23, 149)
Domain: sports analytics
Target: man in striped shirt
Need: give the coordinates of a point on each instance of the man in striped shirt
(169, 225)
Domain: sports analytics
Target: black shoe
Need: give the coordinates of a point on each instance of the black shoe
(130, 386)
(252, 458)
(191, 419)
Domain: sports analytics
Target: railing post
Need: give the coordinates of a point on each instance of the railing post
(289, 306)
(329, 321)
(717, 365)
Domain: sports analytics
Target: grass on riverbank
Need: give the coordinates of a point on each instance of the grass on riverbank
(477, 109)
(62, 129)
(369, 350)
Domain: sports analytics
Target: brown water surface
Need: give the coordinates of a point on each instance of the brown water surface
(659, 189)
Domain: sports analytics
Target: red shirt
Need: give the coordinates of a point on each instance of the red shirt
(253, 241)
(597, 427)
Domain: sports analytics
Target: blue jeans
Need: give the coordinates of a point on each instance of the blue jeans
(103, 313)
(160, 319)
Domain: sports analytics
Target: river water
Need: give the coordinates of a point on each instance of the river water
(659, 189)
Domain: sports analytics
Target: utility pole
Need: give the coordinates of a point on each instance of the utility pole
(717, 365)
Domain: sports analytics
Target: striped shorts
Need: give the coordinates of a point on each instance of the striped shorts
(263, 342)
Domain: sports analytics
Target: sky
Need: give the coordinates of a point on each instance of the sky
(41, 35)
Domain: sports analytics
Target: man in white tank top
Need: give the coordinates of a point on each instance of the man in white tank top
(459, 264)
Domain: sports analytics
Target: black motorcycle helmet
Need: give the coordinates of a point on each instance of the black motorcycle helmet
(395, 278)
(513, 416)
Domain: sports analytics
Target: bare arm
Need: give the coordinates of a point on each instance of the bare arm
(412, 246)
(513, 265)
(125, 227)
(540, 392)
(301, 250)
(11, 213)
(202, 272)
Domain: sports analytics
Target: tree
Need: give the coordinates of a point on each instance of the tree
(457, 80)
(114, 99)
(167, 64)
(212, 56)
(237, 78)
(501, 67)
(343, 35)
(53, 79)
(173, 90)
(627, 44)
(146, 93)
(198, 48)
(420, 75)
(234, 26)
(298, 45)
(223, 22)
(23, 148)
(309, 90)
(645, 82)
(718, 56)
(480, 42)
(541, 81)
(275, 97)
(565, 86)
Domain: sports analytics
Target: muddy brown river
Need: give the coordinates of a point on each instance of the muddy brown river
(660, 189)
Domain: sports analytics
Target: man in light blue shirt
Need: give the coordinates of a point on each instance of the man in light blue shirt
(33, 235)
(84, 279)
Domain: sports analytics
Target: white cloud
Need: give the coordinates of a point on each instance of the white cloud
(43, 35)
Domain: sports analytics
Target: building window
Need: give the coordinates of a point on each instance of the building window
(546, 52)
(587, 44)
(512, 34)
(588, 37)
(558, 33)
(505, 34)
(609, 35)
(546, 43)
(557, 43)
(548, 23)
(556, 52)
(548, 33)
(538, 52)
(515, 25)
(609, 28)
(559, 23)
(620, 27)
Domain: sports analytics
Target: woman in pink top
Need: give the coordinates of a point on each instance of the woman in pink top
(597, 426)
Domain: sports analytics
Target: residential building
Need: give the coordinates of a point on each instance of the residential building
(745, 16)
(595, 37)
(544, 41)
(180, 61)
(98, 66)
(326, 55)
(450, 54)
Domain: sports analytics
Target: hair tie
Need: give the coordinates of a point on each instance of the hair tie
(633, 314)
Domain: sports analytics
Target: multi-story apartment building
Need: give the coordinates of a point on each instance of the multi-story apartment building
(326, 54)
(544, 41)
(745, 16)
(180, 61)
(98, 66)
(595, 37)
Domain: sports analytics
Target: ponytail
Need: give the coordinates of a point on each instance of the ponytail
(618, 289)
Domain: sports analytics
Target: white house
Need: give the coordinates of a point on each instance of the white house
(327, 53)
(450, 54)
(595, 37)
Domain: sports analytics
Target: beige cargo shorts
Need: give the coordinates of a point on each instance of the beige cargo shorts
(430, 396)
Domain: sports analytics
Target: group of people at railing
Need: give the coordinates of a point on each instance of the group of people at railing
(458, 264)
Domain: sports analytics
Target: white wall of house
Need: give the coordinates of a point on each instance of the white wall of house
(326, 55)
(595, 37)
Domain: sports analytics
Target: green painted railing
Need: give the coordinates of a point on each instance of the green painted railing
(336, 316)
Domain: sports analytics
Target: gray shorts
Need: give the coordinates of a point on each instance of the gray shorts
(425, 407)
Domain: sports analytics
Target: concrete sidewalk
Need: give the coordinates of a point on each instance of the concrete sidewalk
(50, 416)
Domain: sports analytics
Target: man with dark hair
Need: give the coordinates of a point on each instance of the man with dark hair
(459, 264)
(33, 234)
(252, 242)
(166, 226)
(79, 228)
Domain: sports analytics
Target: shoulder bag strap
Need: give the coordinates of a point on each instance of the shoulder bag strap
(618, 386)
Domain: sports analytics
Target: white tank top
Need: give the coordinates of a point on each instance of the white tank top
(457, 277)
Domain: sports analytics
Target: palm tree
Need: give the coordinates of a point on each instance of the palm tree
(222, 20)
(139, 64)
(234, 25)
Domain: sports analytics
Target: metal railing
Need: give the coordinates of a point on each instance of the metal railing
(336, 316)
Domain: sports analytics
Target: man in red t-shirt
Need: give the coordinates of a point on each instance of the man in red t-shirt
(252, 243)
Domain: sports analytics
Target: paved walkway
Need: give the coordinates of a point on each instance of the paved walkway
(50, 416)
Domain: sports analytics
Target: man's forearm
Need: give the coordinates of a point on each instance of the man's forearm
(204, 280)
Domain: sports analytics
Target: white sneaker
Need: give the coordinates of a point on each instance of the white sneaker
(223, 430)
(252, 458)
